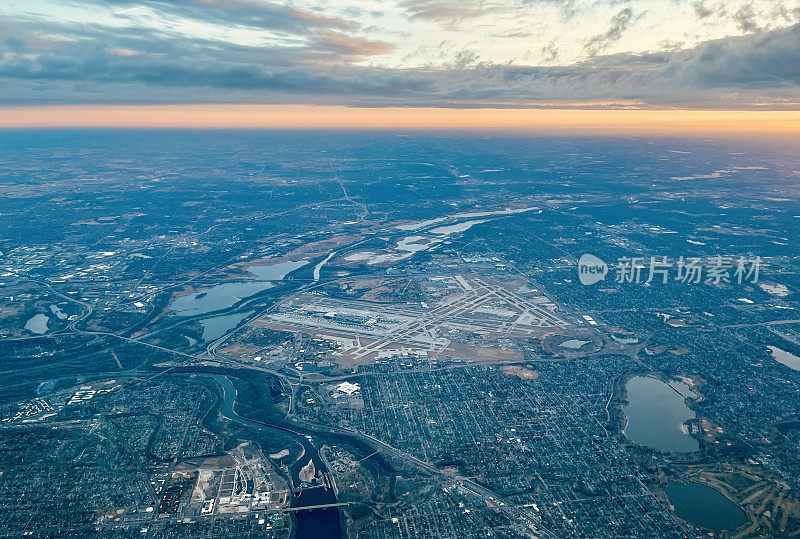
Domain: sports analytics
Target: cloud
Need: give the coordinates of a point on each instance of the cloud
(619, 23)
(252, 13)
(143, 63)
(568, 8)
(701, 10)
(549, 53)
(51, 60)
(464, 59)
(122, 52)
(749, 16)
(745, 18)
(763, 60)
(448, 12)
(345, 48)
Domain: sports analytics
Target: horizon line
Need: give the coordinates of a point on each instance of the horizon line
(294, 116)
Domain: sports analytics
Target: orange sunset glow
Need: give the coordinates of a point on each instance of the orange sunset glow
(222, 116)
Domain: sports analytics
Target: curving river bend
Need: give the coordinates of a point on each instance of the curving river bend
(315, 523)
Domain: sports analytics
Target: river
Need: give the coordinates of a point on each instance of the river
(311, 524)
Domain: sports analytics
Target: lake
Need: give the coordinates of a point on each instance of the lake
(276, 272)
(217, 297)
(704, 506)
(785, 358)
(56, 310)
(573, 344)
(217, 326)
(37, 324)
(226, 295)
(655, 413)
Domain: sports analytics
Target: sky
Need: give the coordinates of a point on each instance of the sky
(457, 54)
